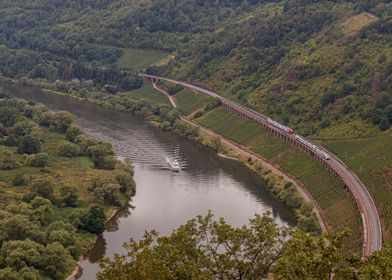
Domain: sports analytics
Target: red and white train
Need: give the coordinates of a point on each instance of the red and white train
(317, 150)
(281, 126)
(313, 147)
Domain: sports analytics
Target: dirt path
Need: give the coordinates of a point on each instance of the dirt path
(172, 99)
(256, 157)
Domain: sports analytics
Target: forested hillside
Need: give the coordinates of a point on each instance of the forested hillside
(84, 39)
(311, 64)
(315, 65)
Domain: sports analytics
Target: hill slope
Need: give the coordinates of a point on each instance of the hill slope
(315, 66)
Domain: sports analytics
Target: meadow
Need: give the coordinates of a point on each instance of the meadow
(148, 93)
(136, 59)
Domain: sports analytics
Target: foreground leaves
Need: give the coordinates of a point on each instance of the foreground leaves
(204, 248)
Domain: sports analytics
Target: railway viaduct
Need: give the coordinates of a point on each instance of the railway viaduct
(372, 232)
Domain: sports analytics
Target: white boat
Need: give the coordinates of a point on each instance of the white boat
(174, 164)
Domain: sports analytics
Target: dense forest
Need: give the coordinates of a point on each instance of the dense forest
(310, 64)
(272, 55)
(57, 186)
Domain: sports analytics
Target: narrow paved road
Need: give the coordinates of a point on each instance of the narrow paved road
(372, 233)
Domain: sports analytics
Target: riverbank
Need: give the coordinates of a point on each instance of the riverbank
(77, 272)
(52, 169)
(240, 153)
(237, 152)
(277, 179)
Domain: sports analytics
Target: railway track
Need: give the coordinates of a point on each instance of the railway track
(372, 234)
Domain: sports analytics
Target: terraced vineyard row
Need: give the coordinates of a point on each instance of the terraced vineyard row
(147, 92)
(337, 204)
(371, 159)
(188, 101)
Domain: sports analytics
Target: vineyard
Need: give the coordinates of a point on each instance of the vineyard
(188, 101)
(371, 159)
(148, 93)
(137, 59)
(339, 207)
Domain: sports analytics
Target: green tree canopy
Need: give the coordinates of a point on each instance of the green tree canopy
(204, 248)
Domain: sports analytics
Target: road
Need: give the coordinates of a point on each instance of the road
(372, 232)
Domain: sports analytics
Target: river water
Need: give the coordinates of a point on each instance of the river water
(163, 199)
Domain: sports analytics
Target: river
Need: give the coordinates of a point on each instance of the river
(163, 199)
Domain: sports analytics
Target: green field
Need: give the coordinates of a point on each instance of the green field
(147, 92)
(339, 208)
(371, 159)
(135, 59)
(188, 101)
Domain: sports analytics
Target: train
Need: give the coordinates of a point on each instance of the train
(281, 126)
(313, 147)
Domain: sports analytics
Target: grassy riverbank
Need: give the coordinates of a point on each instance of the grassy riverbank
(57, 186)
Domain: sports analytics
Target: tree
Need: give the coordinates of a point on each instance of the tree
(207, 249)
(22, 253)
(94, 220)
(72, 132)
(9, 116)
(38, 160)
(7, 160)
(101, 155)
(99, 151)
(58, 121)
(19, 227)
(9, 274)
(107, 162)
(69, 194)
(54, 260)
(204, 249)
(84, 142)
(384, 124)
(22, 128)
(67, 149)
(29, 144)
(125, 180)
(109, 193)
(29, 273)
(21, 179)
(61, 236)
(307, 257)
(41, 186)
(42, 210)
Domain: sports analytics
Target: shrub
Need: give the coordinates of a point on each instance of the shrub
(384, 124)
(84, 142)
(94, 220)
(21, 179)
(38, 160)
(29, 144)
(68, 149)
(69, 195)
(58, 121)
(107, 162)
(40, 186)
(72, 132)
(7, 160)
